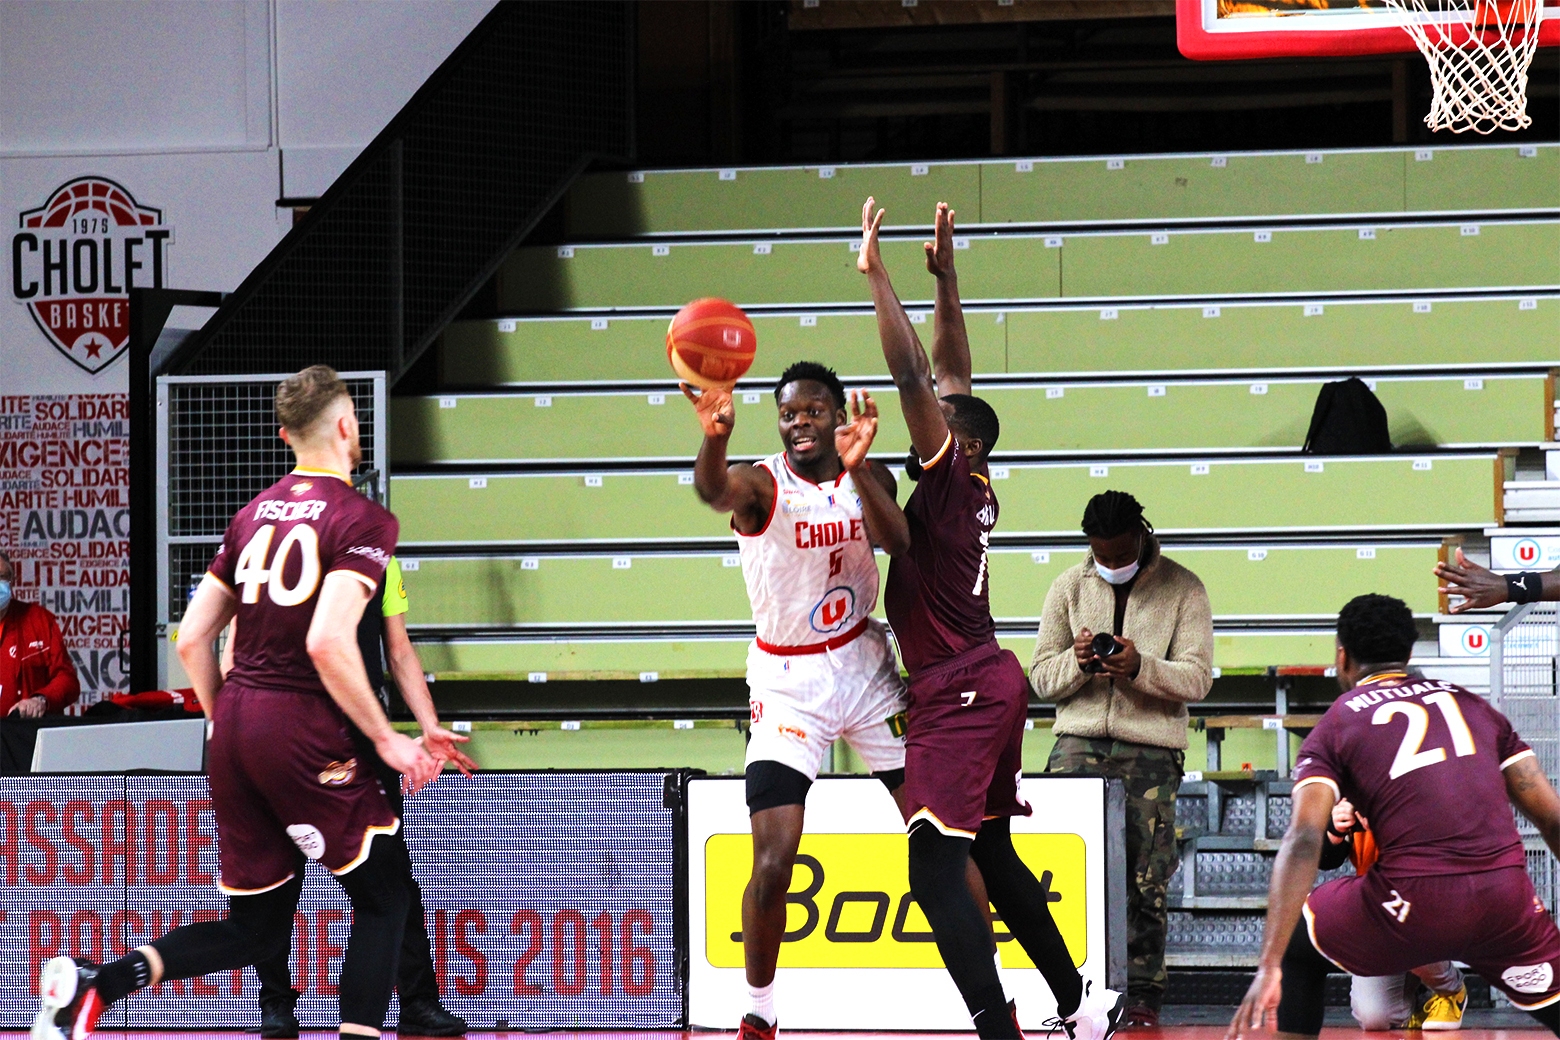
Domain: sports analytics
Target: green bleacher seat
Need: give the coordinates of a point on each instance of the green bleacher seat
(1447, 492)
(707, 588)
(1118, 417)
(1149, 339)
(1072, 190)
(1015, 268)
(561, 660)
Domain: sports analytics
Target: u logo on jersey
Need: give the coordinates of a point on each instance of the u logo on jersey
(833, 611)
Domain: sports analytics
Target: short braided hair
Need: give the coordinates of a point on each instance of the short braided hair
(1110, 514)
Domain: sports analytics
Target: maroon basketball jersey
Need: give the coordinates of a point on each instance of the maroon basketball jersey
(1424, 762)
(274, 557)
(937, 597)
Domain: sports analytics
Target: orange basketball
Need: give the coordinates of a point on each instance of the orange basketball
(710, 343)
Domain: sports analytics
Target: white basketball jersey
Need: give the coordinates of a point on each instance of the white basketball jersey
(810, 572)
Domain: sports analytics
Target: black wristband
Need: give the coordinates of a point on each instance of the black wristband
(1527, 587)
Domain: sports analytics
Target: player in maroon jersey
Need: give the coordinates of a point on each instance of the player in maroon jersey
(297, 566)
(1432, 766)
(968, 697)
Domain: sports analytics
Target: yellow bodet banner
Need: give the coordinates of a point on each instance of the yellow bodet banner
(850, 904)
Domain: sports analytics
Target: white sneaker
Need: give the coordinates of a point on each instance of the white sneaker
(68, 1001)
(56, 990)
(1098, 1013)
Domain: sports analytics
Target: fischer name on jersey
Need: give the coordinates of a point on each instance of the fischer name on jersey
(811, 576)
(274, 558)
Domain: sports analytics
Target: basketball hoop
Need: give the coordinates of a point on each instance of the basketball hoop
(1479, 52)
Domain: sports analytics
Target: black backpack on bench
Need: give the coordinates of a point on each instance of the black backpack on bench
(1348, 420)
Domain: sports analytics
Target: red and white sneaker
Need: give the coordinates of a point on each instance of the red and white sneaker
(755, 1028)
(68, 1001)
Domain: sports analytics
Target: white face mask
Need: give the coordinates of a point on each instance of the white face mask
(1121, 575)
(1118, 576)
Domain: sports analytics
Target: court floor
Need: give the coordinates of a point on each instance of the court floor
(1479, 1026)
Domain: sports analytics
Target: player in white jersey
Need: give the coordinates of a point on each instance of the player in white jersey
(821, 668)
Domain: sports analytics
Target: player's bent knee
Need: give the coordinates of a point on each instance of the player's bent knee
(773, 784)
(772, 870)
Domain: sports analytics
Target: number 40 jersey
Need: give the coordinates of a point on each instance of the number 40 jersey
(1424, 762)
(274, 558)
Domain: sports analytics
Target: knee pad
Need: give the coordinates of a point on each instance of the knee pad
(773, 784)
(936, 860)
(266, 919)
(993, 850)
(378, 885)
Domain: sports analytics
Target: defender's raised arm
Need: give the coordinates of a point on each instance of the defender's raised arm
(950, 342)
(902, 349)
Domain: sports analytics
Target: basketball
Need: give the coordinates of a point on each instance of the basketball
(710, 343)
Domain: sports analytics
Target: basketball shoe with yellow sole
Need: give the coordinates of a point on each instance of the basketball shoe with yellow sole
(1444, 1012)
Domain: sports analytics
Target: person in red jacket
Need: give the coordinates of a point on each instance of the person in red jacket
(36, 673)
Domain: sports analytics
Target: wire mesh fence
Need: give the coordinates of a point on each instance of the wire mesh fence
(1523, 686)
(218, 448)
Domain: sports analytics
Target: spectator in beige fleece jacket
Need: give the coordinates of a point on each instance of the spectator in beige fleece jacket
(1124, 715)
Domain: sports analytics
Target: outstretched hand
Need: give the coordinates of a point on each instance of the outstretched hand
(442, 745)
(407, 757)
(714, 410)
(1479, 586)
(868, 259)
(1261, 1000)
(854, 439)
(939, 251)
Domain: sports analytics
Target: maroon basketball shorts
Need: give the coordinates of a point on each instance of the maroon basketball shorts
(286, 779)
(964, 743)
(1491, 921)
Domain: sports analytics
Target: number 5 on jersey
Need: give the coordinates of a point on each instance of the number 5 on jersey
(253, 571)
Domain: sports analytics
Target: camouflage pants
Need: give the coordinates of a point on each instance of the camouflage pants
(1152, 776)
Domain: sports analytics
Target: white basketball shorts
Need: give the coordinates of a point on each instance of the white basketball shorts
(803, 703)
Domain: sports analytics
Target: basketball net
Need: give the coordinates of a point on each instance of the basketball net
(1479, 52)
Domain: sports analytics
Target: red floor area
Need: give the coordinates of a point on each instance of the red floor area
(1197, 1032)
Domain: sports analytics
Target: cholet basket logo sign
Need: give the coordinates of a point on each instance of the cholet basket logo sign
(75, 260)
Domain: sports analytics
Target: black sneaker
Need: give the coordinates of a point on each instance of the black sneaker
(427, 1017)
(276, 1016)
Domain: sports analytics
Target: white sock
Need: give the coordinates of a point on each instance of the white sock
(763, 1002)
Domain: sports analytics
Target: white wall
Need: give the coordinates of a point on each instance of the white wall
(87, 76)
(209, 110)
(344, 69)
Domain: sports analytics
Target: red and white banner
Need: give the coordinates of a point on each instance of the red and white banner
(556, 911)
(65, 523)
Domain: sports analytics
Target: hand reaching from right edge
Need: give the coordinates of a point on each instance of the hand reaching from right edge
(714, 410)
(1480, 587)
(869, 259)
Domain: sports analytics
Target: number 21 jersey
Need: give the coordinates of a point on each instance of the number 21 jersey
(1424, 762)
(274, 558)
